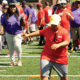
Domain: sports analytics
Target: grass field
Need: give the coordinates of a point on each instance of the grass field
(31, 64)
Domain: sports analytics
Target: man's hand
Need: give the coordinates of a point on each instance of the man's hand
(68, 14)
(55, 46)
(72, 18)
(38, 26)
(24, 35)
(60, 14)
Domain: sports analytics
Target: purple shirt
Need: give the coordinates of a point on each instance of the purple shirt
(76, 21)
(12, 25)
(33, 16)
(27, 11)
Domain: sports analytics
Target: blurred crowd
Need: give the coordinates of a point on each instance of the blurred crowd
(30, 20)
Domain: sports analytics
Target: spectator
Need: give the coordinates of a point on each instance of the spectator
(47, 13)
(4, 2)
(33, 19)
(68, 5)
(4, 10)
(0, 35)
(72, 6)
(75, 25)
(57, 6)
(40, 22)
(19, 8)
(24, 29)
(13, 22)
(54, 53)
(27, 11)
(66, 16)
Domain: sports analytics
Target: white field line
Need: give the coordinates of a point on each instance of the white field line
(7, 62)
(21, 56)
(8, 59)
(39, 56)
(5, 66)
(33, 75)
(27, 51)
(2, 70)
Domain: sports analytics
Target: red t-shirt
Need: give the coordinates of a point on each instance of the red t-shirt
(59, 55)
(47, 13)
(25, 21)
(41, 16)
(65, 19)
(20, 9)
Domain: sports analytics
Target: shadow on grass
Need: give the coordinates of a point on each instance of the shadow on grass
(33, 52)
(4, 64)
(3, 54)
(7, 65)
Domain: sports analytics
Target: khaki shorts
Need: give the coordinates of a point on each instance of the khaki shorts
(28, 24)
(32, 27)
(47, 24)
(75, 33)
(46, 67)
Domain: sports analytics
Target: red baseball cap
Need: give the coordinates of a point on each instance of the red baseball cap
(39, 4)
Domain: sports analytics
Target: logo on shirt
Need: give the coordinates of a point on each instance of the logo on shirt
(59, 36)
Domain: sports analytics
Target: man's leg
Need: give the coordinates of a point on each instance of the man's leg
(63, 78)
(44, 78)
(46, 67)
(61, 69)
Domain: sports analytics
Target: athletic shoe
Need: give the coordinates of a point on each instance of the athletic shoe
(19, 63)
(30, 42)
(12, 64)
(74, 50)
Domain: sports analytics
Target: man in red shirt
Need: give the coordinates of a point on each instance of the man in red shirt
(54, 52)
(66, 16)
(40, 22)
(47, 13)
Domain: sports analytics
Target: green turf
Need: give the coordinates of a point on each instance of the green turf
(31, 65)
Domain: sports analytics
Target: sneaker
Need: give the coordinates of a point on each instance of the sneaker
(19, 63)
(12, 63)
(30, 42)
(74, 50)
(25, 43)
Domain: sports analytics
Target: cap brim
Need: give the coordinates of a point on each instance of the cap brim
(55, 23)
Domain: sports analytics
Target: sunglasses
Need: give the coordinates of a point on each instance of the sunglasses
(63, 3)
(55, 35)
